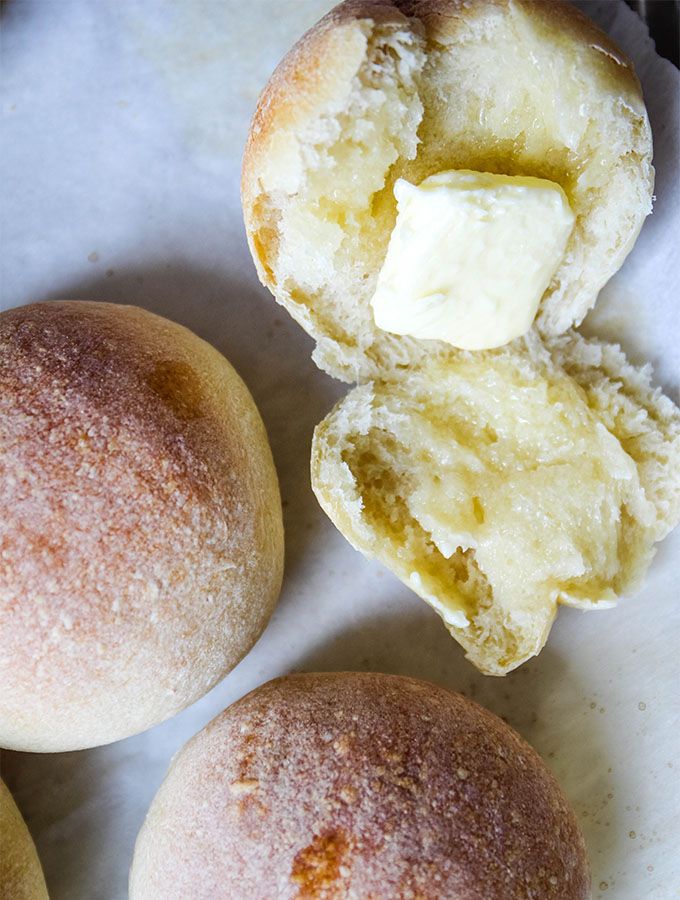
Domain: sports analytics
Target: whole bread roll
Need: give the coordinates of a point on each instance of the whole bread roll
(141, 543)
(386, 89)
(21, 876)
(358, 785)
(499, 485)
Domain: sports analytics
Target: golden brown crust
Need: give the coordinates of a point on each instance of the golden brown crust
(359, 784)
(21, 876)
(141, 552)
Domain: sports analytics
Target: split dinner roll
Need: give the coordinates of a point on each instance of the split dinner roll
(358, 785)
(381, 90)
(502, 484)
(21, 876)
(141, 543)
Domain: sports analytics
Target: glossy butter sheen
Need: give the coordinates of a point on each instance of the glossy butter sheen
(470, 257)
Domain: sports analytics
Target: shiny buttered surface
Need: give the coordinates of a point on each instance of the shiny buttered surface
(500, 485)
(358, 785)
(141, 544)
(21, 876)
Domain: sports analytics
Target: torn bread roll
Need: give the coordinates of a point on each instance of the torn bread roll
(141, 541)
(21, 875)
(424, 175)
(499, 485)
(342, 785)
(392, 92)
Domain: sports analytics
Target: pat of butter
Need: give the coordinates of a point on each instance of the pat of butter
(470, 257)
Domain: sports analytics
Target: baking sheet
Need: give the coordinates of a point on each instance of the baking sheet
(122, 128)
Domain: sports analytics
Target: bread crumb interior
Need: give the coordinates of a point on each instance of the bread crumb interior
(499, 96)
(492, 489)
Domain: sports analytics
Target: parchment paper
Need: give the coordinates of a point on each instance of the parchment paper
(123, 124)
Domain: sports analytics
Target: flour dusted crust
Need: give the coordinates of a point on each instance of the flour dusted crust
(21, 876)
(358, 785)
(380, 90)
(141, 538)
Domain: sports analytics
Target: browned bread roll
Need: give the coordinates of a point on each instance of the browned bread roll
(21, 876)
(141, 537)
(358, 785)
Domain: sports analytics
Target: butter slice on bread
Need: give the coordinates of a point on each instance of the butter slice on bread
(498, 484)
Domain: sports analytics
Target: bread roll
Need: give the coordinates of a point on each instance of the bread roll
(21, 876)
(431, 465)
(383, 89)
(141, 537)
(358, 785)
(499, 485)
